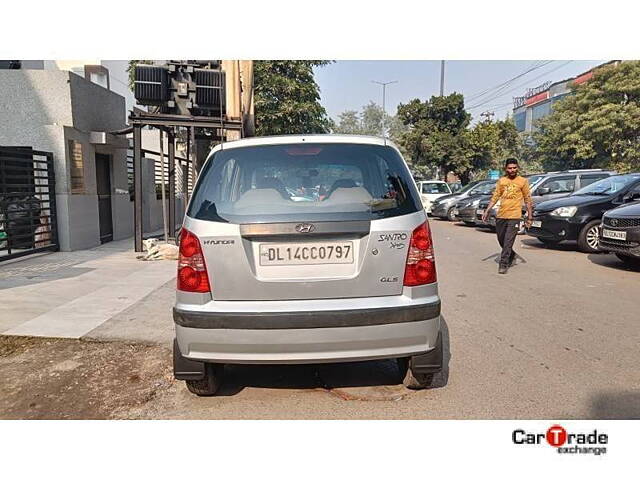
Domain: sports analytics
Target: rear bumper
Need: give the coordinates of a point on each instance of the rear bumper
(360, 317)
(308, 337)
(467, 214)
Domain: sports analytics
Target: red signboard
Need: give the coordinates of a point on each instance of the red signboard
(583, 78)
(537, 98)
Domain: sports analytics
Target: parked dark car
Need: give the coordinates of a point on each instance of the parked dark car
(620, 233)
(578, 216)
(444, 206)
(465, 210)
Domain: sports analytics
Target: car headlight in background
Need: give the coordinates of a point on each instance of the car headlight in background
(475, 203)
(565, 212)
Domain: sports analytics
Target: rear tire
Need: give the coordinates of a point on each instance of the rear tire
(588, 237)
(411, 380)
(630, 261)
(209, 385)
(450, 216)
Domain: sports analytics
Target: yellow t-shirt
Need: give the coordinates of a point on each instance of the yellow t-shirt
(511, 194)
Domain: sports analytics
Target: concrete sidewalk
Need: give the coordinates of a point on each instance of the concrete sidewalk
(98, 293)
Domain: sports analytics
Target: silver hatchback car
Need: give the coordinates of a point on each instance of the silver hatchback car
(305, 249)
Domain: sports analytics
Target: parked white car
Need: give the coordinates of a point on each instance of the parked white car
(432, 189)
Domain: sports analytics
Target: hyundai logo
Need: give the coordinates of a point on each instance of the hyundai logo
(614, 222)
(305, 228)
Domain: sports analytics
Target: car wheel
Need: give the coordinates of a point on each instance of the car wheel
(588, 237)
(631, 261)
(211, 382)
(412, 380)
(450, 216)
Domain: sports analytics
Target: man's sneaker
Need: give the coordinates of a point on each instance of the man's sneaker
(502, 269)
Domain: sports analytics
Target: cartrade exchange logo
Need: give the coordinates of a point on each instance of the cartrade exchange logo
(594, 443)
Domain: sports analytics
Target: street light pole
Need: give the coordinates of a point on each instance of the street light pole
(442, 78)
(384, 111)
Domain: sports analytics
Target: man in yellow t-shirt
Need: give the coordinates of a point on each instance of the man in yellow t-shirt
(511, 190)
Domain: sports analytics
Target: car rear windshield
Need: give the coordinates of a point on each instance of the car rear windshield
(435, 188)
(304, 182)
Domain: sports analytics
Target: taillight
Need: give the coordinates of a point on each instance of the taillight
(421, 264)
(192, 271)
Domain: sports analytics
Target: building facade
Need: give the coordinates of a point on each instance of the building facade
(71, 117)
(538, 102)
(78, 110)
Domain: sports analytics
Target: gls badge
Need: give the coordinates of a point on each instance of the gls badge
(388, 279)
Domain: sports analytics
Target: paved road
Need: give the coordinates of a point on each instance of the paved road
(557, 337)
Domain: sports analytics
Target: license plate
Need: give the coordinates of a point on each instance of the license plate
(306, 253)
(536, 223)
(480, 211)
(614, 234)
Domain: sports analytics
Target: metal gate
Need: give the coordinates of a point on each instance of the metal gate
(27, 202)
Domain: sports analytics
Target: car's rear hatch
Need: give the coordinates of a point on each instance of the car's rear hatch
(314, 221)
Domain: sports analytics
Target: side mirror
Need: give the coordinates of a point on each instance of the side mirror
(631, 197)
(543, 190)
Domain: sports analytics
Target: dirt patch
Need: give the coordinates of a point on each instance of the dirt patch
(42, 378)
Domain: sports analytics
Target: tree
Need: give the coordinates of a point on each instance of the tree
(287, 98)
(437, 135)
(598, 125)
(369, 122)
(491, 143)
(349, 123)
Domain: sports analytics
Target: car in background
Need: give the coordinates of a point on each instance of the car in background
(620, 233)
(443, 207)
(561, 184)
(578, 216)
(465, 210)
(431, 190)
(455, 186)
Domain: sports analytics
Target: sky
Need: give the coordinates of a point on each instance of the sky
(347, 85)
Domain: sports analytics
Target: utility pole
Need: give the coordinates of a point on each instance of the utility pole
(384, 111)
(442, 78)
(488, 115)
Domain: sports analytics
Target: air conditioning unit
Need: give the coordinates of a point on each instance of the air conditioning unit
(151, 84)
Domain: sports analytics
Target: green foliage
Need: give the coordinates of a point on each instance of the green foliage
(349, 123)
(369, 122)
(598, 125)
(287, 98)
(437, 135)
(491, 143)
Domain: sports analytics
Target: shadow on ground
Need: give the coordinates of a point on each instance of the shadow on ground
(371, 380)
(616, 406)
(567, 246)
(611, 261)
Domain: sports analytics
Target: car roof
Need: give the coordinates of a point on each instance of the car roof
(312, 138)
(431, 181)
